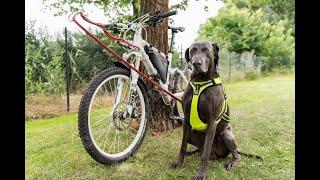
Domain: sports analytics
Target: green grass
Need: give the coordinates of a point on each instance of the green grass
(262, 113)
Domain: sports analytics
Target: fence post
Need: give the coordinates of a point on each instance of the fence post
(230, 65)
(186, 67)
(67, 68)
(181, 56)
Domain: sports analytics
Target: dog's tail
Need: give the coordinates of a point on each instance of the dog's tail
(250, 155)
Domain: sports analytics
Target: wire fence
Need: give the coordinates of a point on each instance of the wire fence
(238, 66)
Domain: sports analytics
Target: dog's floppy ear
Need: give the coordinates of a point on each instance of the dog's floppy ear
(215, 46)
(216, 53)
(186, 55)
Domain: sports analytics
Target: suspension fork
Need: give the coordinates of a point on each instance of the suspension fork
(131, 104)
(134, 76)
(118, 93)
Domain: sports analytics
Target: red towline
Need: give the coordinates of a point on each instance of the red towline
(121, 41)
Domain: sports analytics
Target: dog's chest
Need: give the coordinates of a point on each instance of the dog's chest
(205, 105)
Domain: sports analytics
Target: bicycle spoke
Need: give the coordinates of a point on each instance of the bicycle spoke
(109, 147)
(99, 120)
(105, 94)
(114, 90)
(106, 129)
(98, 132)
(126, 92)
(111, 92)
(118, 142)
(101, 115)
(106, 139)
(112, 142)
(127, 138)
(115, 81)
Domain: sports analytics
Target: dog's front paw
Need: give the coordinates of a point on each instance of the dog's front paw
(231, 164)
(199, 177)
(175, 164)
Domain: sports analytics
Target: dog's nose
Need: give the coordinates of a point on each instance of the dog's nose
(196, 63)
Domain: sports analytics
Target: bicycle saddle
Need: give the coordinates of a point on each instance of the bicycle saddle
(176, 29)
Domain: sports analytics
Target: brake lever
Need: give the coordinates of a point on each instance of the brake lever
(155, 19)
(158, 22)
(113, 27)
(154, 22)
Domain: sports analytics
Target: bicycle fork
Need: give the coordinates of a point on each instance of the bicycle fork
(130, 103)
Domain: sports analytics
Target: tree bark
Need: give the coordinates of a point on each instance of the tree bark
(158, 38)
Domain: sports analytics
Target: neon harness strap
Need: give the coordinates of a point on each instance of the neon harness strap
(198, 88)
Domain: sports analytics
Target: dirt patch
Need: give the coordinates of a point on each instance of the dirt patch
(47, 106)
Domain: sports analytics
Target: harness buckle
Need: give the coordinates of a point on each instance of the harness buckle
(196, 91)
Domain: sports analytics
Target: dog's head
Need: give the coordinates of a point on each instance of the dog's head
(204, 58)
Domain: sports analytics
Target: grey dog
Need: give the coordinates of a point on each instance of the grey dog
(218, 140)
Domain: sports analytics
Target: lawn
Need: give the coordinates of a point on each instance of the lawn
(262, 115)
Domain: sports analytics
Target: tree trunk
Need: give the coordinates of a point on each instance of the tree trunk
(158, 38)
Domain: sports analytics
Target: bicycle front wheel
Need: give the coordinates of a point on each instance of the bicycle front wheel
(110, 128)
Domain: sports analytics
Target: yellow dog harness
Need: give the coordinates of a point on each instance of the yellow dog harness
(198, 88)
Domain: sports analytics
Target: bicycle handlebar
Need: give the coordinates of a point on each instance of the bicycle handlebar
(157, 17)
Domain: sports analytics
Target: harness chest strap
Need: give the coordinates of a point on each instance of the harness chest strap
(198, 88)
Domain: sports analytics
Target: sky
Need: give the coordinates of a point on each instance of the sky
(191, 18)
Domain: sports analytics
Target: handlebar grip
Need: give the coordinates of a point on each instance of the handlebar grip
(170, 13)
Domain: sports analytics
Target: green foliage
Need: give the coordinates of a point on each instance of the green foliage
(247, 25)
(283, 8)
(274, 10)
(43, 70)
(176, 60)
(114, 9)
(236, 29)
(279, 48)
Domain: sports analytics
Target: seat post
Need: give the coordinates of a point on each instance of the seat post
(173, 32)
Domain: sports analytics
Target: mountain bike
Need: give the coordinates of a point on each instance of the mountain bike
(113, 112)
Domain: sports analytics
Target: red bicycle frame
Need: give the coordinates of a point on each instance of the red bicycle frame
(122, 42)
